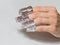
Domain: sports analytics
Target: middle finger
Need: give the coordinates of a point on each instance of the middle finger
(41, 14)
(51, 21)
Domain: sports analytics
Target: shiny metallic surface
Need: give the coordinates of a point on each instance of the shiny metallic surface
(24, 19)
(24, 12)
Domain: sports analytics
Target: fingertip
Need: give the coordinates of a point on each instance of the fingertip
(31, 16)
(37, 21)
(39, 28)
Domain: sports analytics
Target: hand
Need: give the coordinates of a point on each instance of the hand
(46, 18)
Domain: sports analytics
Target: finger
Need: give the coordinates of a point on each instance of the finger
(39, 8)
(42, 20)
(52, 21)
(44, 8)
(46, 28)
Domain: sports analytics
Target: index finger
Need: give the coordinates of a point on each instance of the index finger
(43, 8)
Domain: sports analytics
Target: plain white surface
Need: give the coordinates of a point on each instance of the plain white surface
(9, 34)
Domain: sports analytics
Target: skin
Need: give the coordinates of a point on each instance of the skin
(46, 15)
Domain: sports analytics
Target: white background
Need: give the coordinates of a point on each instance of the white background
(9, 29)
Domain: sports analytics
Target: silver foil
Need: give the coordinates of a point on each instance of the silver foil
(24, 19)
